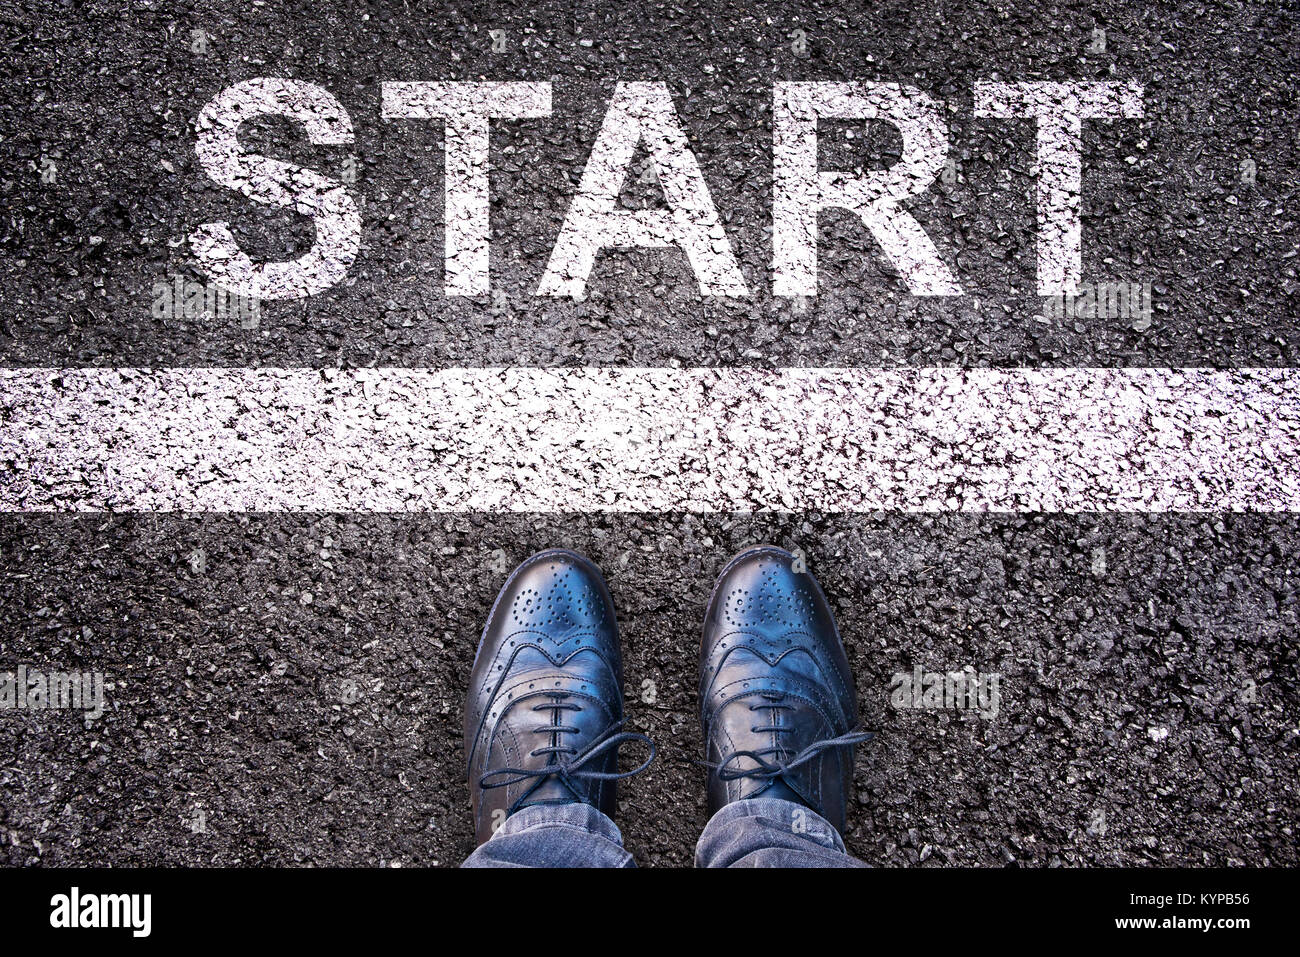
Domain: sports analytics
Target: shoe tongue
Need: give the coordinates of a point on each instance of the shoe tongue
(802, 722)
(805, 725)
(779, 789)
(552, 789)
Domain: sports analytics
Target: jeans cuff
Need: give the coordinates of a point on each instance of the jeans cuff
(583, 817)
(799, 818)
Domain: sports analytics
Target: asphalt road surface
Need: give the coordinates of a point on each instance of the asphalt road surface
(284, 684)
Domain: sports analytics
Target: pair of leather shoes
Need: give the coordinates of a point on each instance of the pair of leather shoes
(544, 715)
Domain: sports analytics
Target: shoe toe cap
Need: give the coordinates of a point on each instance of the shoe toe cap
(770, 629)
(766, 591)
(554, 616)
(556, 593)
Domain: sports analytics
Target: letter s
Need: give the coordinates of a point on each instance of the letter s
(265, 180)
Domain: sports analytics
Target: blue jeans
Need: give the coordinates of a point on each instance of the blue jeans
(762, 832)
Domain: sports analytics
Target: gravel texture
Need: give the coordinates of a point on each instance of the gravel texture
(1148, 710)
(287, 688)
(111, 93)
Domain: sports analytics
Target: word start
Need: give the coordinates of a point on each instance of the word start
(642, 115)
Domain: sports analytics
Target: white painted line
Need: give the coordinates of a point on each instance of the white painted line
(583, 440)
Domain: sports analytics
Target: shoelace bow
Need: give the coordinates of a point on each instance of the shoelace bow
(766, 770)
(567, 762)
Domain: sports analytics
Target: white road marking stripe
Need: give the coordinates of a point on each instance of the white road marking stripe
(582, 440)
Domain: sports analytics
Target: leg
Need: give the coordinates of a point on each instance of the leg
(780, 718)
(770, 832)
(554, 835)
(544, 719)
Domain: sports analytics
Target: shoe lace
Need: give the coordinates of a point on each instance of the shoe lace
(768, 770)
(564, 761)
